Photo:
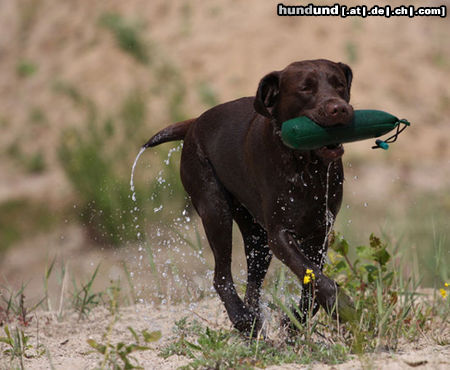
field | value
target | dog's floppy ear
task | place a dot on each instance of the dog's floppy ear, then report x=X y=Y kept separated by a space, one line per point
x=267 y=94
x=348 y=75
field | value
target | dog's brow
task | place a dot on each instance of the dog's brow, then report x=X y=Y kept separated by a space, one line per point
x=333 y=79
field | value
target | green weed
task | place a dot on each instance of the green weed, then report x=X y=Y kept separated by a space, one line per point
x=32 y=163
x=419 y=226
x=95 y=160
x=83 y=298
x=12 y=306
x=351 y=50
x=18 y=346
x=223 y=349
x=35 y=163
x=118 y=356
x=106 y=204
x=390 y=307
x=386 y=299
x=37 y=116
x=26 y=68
x=72 y=92
x=47 y=274
x=127 y=36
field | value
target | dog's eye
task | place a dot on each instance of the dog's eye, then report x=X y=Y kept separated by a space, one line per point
x=306 y=89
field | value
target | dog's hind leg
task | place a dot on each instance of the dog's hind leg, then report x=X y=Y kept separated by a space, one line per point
x=213 y=204
x=258 y=255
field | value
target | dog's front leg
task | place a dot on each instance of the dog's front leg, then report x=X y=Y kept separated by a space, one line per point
x=287 y=250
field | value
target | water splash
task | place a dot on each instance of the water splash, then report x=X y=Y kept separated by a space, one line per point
x=133 y=196
x=329 y=217
x=164 y=249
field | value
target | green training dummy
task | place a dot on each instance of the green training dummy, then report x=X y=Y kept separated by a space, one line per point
x=304 y=134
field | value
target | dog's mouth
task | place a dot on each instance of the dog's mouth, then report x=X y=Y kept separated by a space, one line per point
x=330 y=152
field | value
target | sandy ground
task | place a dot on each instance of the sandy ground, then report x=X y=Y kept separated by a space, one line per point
x=66 y=346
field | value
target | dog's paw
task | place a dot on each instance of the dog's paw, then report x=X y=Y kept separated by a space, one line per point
x=250 y=325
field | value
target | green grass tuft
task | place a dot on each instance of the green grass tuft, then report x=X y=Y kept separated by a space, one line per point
x=26 y=68
x=224 y=349
x=127 y=35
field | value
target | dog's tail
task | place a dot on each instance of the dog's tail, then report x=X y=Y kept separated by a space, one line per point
x=174 y=132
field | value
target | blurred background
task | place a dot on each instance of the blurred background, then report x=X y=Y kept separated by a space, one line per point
x=84 y=84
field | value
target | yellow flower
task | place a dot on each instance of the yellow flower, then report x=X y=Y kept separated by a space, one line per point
x=446 y=284
x=442 y=291
x=309 y=275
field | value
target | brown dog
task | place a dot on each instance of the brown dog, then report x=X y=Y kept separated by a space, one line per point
x=235 y=167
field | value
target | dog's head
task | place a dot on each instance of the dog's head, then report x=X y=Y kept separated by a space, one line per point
x=318 y=89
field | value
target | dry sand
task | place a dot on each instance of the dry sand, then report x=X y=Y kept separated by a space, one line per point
x=65 y=340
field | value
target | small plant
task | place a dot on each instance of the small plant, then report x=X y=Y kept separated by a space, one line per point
x=12 y=306
x=35 y=163
x=106 y=204
x=118 y=356
x=389 y=306
x=83 y=299
x=18 y=346
x=32 y=163
x=37 y=116
x=97 y=162
x=386 y=301
x=127 y=36
x=26 y=68
x=48 y=272
x=223 y=349
x=351 y=50
x=182 y=330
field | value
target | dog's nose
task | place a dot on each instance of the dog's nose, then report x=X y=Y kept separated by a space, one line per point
x=338 y=112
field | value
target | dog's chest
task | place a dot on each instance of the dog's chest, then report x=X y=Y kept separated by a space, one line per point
x=309 y=196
